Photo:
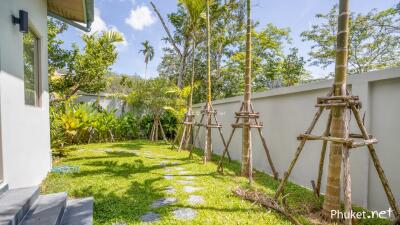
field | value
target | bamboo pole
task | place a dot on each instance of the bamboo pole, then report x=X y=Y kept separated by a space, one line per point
x=378 y=167
x=322 y=157
x=297 y=154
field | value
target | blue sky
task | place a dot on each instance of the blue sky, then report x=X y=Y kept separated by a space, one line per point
x=137 y=22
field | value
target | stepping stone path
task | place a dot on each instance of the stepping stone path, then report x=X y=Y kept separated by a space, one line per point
x=162 y=202
x=170 y=190
x=179 y=213
x=185 y=213
x=190 y=189
x=150 y=217
x=195 y=199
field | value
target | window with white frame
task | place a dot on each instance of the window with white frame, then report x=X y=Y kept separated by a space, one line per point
x=31 y=68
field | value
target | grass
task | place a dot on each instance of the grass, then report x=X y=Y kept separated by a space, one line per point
x=125 y=178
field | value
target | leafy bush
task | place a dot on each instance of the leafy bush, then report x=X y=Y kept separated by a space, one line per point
x=72 y=123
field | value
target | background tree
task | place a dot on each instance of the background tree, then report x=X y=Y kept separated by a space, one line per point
x=86 y=71
x=374 y=40
x=148 y=53
x=154 y=97
x=58 y=57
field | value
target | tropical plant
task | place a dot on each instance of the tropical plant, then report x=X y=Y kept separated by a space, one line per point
x=148 y=53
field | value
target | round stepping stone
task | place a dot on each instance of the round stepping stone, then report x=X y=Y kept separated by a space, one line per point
x=162 y=202
x=189 y=177
x=185 y=182
x=168 y=176
x=170 y=190
x=195 y=199
x=185 y=213
x=150 y=217
x=190 y=189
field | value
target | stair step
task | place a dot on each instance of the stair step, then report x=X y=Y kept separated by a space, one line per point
x=15 y=203
x=79 y=212
x=48 y=210
x=3 y=188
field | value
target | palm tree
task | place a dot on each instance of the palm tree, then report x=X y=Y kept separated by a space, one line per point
x=339 y=120
x=246 y=144
x=194 y=9
x=208 y=146
x=148 y=52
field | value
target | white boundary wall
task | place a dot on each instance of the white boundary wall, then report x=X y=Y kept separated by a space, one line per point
x=287 y=112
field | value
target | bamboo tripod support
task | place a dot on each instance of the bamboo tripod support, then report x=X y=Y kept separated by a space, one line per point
x=156 y=128
x=207 y=113
x=188 y=123
x=352 y=104
x=254 y=123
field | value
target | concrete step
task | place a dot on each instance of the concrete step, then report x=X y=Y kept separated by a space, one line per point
x=47 y=210
x=3 y=188
x=78 y=212
x=15 y=203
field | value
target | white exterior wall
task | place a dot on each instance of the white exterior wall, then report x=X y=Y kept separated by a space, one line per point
x=287 y=112
x=25 y=137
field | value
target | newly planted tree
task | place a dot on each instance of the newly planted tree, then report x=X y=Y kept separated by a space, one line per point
x=246 y=142
x=194 y=9
x=339 y=126
x=148 y=53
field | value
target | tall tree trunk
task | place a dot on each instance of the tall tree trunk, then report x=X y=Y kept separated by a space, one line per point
x=145 y=72
x=170 y=38
x=246 y=142
x=339 y=120
x=190 y=102
x=208 y=128
x=182 y=67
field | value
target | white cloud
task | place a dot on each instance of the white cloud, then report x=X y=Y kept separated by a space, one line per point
x=98 y=24
x=140 y=17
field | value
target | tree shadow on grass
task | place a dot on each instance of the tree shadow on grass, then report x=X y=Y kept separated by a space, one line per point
x=127 y=206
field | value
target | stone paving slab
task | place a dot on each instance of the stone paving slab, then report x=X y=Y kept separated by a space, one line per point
x=162 y=202
x=150 y=217
x=170 y=190
x=191 y=189
x=195 y=199
x=185 y=181
x=168 y=176
x=185 y=213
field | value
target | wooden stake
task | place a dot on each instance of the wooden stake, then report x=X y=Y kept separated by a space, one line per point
x=298 y=151
x=378 y=167
x=322 y=157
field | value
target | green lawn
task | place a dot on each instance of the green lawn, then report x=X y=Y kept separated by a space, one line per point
x=125 y=178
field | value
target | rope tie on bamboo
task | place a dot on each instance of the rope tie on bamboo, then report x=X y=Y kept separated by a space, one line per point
x=345 y=13
x=342 y=49
x=342 y=32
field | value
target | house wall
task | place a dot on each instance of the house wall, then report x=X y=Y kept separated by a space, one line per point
x=287 y=112
x=25 y=138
